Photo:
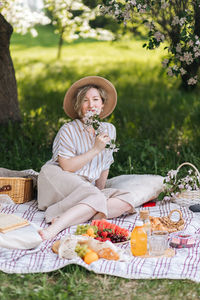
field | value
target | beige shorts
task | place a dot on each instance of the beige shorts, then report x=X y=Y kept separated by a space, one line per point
x=60 y=190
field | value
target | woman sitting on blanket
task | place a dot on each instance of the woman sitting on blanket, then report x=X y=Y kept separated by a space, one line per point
x=71 y=185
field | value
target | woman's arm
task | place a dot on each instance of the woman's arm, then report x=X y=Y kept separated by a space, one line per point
x=101 y=182
x=77 y=162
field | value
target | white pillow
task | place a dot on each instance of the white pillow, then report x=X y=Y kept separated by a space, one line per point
x=142 y=187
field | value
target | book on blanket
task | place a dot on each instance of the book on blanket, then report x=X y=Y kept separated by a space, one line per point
x=10 y=222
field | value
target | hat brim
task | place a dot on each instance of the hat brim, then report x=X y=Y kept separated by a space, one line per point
x=70 y=96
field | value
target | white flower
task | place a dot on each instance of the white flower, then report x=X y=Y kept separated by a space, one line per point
x=175 y=68
x=133 y=2
x=91 y=120
x=188 y=187
x=190 y=43
x=167 y=179
x=178 y=48
x=181 y=186
x=165 y=62
x=192 y=81
x=164 y=4
x=172 y=173
x=170 y=72
x=159 y=36
x=187 y=57
x=166 y=198
x=195 y=187
x=175 y=20
x=182 y=21
x=182 y=71
x=197 y=54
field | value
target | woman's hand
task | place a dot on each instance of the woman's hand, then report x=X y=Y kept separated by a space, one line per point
x=100 y=142
x=75 y=163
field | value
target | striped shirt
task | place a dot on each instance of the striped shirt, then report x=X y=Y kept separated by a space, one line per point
x=74 y=139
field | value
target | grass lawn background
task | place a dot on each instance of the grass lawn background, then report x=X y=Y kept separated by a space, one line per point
x=158 y=127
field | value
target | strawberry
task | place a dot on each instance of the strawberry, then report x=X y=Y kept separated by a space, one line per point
x=104 y=239
x=98 y=238
x=104 y=234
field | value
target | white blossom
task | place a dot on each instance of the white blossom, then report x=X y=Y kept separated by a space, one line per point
x=133 y=2
x=183 y=71
x=190 y=43
x=164 y=4
x=182 y=21
x=170 y=72
x=172 y=173
x=178 y=48
x=165 y=62
x=181 y=186
x=187 y=57
x=197 y=54
x=192 y=80
x=159 y=36
x=175 y=68
x=24 y=15
x=175 y=20
x=167 y=198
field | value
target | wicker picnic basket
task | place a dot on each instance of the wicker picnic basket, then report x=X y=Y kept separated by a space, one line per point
x=19 y=189
x=187 y=198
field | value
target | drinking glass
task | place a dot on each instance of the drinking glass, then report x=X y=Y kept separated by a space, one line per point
x=158 y=243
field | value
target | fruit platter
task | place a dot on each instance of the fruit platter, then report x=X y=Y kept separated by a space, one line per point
x=103 y=231
x=93 y=241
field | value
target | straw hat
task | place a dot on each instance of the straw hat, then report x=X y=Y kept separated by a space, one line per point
x=70 y=95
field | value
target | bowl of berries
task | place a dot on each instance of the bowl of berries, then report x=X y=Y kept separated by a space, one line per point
x=103 y=231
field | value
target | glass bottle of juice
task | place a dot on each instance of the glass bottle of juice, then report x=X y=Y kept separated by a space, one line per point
x=144 y=217
x=138 y=240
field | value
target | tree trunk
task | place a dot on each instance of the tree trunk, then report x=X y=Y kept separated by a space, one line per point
x=9 y=108
x=60 y=44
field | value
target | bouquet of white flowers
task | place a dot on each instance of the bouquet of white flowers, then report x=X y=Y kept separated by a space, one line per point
x=92 y=120
x=183 y=191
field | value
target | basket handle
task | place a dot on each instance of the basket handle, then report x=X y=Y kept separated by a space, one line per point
x=187 y=163
x=5 y=188
x=180 y=215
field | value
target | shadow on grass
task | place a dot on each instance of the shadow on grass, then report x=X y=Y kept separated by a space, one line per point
x=46 y=38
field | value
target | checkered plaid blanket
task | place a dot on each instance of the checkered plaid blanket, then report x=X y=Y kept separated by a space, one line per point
x=184 y=265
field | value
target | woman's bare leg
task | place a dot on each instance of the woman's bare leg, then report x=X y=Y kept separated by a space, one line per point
x=75 y=215
x=116 y=208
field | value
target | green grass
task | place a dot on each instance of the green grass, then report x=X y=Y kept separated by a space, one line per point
x=158 y=127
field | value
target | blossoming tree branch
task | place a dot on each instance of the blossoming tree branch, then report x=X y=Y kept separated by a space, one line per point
x=175 y=22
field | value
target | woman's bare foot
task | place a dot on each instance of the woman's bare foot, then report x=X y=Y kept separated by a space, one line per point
x=49 y=232
x=54 y=220
x=98 y=216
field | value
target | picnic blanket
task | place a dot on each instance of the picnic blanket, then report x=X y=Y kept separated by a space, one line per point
x=184 y=265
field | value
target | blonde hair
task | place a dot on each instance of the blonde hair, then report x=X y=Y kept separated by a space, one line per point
x=81 y=92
